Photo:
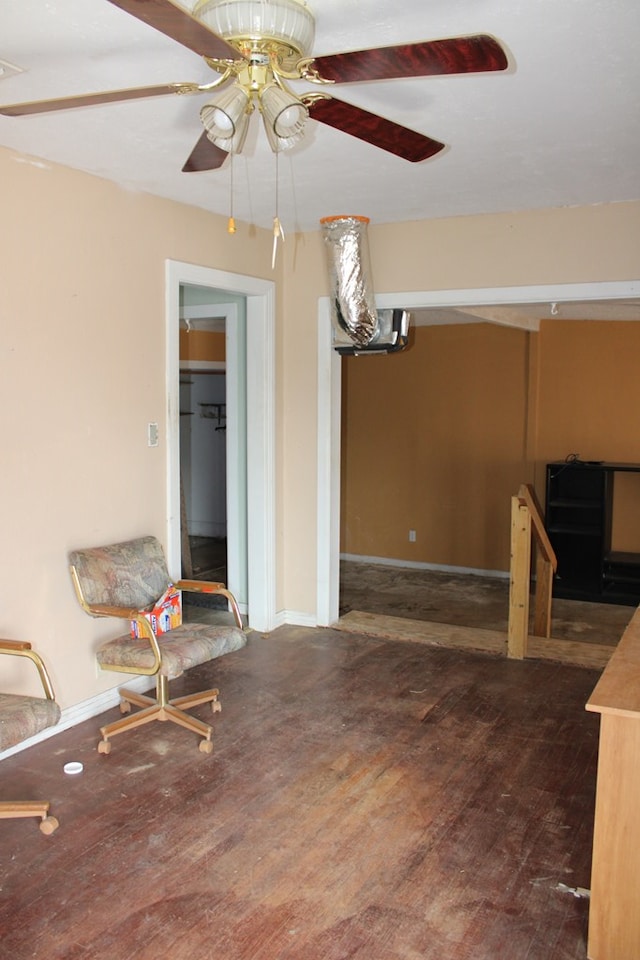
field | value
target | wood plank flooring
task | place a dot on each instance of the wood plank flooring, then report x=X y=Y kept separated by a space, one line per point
x=467 y=600
x=575 y=652
x=366 y=798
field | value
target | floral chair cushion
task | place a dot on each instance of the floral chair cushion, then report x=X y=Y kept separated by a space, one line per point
x=22 y=717
x=134 y=574
x=181 y=648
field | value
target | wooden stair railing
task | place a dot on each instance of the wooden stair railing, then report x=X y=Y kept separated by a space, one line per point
x=527 y=523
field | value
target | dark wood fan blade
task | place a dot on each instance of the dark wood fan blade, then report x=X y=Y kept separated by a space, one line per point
x=89 y=99
x=376 y=130
x=474 y=54
x=176 y=22
x=205 y=156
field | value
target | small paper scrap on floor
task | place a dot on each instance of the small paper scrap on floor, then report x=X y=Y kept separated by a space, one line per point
x=580 y=892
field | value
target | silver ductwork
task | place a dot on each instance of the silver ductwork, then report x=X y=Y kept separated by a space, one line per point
x=357 y=326
x=352 y=303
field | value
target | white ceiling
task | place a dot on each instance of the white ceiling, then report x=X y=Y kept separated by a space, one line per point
x=560 y=127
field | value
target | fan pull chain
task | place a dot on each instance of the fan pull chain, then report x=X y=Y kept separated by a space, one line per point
x=231 y=223
x=278 y=232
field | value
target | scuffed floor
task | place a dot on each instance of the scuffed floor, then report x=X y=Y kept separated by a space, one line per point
x=366 y=800
x=466 y=600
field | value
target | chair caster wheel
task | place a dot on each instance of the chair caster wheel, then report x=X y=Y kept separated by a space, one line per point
x=49 y=824
x=216 y=706
x=125 y=706
x=104 y=746
x=206 y=746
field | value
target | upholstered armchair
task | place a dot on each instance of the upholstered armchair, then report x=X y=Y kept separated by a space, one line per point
x=124 y=581
x=22 y=717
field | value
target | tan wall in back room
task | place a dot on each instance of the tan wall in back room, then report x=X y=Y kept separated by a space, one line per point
x=202 y=345
x=588 y=403
x=433 y=442
x=437 y=439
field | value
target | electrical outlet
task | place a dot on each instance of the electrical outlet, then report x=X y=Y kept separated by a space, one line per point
x=412 y=536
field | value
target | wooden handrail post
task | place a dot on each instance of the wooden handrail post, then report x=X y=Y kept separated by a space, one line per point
x=544 y=586
x=526 y=520
x=520 y=575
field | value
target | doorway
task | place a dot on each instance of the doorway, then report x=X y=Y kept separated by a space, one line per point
x=203 y=476
x=213 y=437
x=259 y=394
x=329 y=402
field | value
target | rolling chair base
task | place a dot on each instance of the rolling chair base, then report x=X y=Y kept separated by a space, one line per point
x=162 y=708
x=29 y=808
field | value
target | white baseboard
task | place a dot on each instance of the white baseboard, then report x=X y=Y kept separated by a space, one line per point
x=295 y=618
x=416 y=565
x=80 y=712
x=299 y=619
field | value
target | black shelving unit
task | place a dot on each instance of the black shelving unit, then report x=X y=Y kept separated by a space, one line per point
x=579 y=509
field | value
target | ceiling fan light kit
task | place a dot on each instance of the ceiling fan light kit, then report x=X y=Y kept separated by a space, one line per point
x=257 y=47
x=271 y=37
x=224 y=116
x=283 y=112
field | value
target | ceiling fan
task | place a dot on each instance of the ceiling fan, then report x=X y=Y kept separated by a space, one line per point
x=257 y=47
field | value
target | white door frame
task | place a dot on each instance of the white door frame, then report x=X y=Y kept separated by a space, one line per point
x=236 y=440
x=329 y=401
x=260 y=372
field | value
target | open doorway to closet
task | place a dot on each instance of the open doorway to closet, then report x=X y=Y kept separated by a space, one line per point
x=212 y=350
x=203 y=466
x=258 y=395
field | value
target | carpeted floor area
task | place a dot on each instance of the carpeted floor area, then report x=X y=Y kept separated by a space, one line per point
x=466 y=600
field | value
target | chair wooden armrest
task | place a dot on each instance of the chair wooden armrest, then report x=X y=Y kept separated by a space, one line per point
x=11 y=646
x=212 y=586
x=200 y=586
x=106 y=610
x=22 y=648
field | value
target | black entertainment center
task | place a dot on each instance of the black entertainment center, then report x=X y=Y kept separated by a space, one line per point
x=578 y=518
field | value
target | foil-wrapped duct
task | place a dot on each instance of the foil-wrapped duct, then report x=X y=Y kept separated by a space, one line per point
x=352 y=301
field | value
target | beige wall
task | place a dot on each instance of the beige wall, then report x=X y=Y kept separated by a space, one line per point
x=83 y=355
x=568 y=245
x=83 y=314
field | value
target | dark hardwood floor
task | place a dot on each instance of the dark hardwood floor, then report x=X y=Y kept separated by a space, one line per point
x=365 y=799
